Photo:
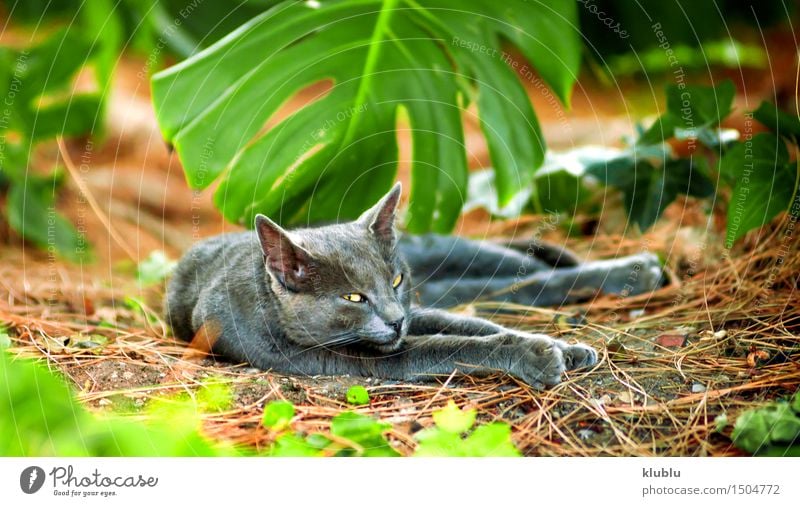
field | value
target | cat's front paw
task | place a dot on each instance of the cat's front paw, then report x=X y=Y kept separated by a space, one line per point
x=537 y=362
x=577 y=356
x=542 y=360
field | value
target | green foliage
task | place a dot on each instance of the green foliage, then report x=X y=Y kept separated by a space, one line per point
x=692 y=112
x=214 y=395
x=155 y=268
x=557 y=187
x=648 y=174
x=42 y=103
x=454 y=420
x=647 y=188
x=366 y=433
x=763 y=178
x=357 y=395
x=39 y=416
x=422 y=60
x=447 y=439
x=783 y=124
x=764 y=182
x=277 y=415
x=352 y=435
x=771 y=430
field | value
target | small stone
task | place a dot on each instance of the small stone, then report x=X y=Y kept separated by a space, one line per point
x=104 y=402
x=585 y=434
x=698 y=387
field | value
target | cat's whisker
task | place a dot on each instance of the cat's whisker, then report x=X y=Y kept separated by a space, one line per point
x=338 y=340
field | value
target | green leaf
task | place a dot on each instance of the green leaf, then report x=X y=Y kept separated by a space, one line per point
x=155 y=268
x=648 y=190
x=482 y=193
x=700 y=106
x=435 y=442
x=692 y=112
x=31 y=212
x=426 y=58
x=781 y=123
x=560 y=191
x=75 y=116
x=292 y=445
x=491 y=440
x=750 y=432
x=784 y=424
x=39 y=416
x=357 y=395
x=796 y=402
x=452 y=419
x=764 y=181
x=277 y=415
x=365 y=432
x=767 y=429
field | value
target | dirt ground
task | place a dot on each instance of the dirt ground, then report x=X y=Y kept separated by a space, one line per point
x=720 y=338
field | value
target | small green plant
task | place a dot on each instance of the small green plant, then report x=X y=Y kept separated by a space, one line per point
x=357 y=395
x=352 y=434
x=39 y=416
x=155 y=268
x=451 y=437
x=278 y=415
x=770 y=430
x=761 y=172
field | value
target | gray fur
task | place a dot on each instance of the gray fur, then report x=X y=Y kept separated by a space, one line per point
x=275 y=298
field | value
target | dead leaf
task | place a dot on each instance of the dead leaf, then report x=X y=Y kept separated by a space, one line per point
x=756 y=357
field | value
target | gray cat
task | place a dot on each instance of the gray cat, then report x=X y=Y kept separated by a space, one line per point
x=337 y=300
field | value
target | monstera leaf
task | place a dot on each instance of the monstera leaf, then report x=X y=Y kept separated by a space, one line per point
x=415 y=62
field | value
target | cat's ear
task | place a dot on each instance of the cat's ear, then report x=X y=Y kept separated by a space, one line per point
x=290 y=263
x=379 y=219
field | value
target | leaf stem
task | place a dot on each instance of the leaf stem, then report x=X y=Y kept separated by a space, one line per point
x=381 y=25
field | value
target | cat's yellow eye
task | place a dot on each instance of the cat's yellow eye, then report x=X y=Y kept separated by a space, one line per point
x=397 y=280
x=354 y=297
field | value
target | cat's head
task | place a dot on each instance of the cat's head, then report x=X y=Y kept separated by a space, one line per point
x=340 y=285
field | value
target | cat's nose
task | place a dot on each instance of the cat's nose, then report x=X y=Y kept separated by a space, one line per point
x=397 y=326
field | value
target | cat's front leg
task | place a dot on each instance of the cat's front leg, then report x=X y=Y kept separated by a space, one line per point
x=537 y=360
